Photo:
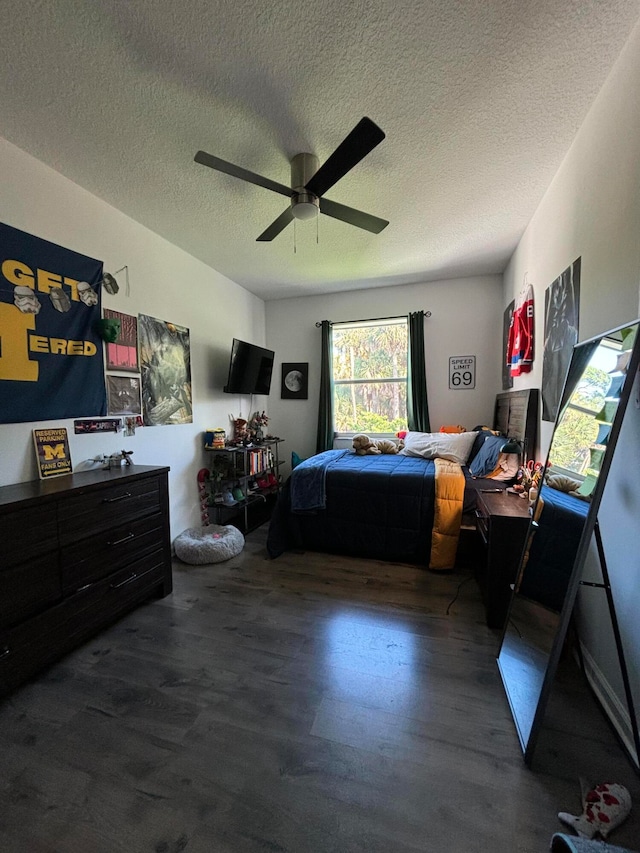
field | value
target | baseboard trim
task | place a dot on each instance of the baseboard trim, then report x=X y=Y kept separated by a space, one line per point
x=614 y=708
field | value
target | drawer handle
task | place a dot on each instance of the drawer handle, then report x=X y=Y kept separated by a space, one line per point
x=124 y=539
x=5 y=652
x=124 y=583
x=114 y=500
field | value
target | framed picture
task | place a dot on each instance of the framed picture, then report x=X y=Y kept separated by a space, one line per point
x=123 y=394
x=122 y=354
x=295 y=380
x=561 y=321
x=507 y=320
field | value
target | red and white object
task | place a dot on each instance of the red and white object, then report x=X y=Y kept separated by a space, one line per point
x=605 y=806
x=520 y=342
x=203 y=476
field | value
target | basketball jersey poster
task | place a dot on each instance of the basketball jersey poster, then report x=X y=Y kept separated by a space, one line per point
x=51 y=358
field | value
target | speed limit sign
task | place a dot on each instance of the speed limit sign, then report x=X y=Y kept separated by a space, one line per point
x=462 y=372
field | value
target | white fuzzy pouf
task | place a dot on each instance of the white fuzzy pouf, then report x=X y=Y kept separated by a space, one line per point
x=212 y=544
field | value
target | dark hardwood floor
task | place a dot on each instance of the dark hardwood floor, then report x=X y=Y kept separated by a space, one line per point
x=311 y=703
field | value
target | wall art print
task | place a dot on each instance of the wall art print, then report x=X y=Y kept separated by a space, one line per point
x=123 y=395
x=295 y=380
x=51 y=356
x=561 y=323
x=123 y=353
x=92 y=425
x=165 y=364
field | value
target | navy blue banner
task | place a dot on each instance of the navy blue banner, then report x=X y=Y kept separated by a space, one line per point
x=51 y=360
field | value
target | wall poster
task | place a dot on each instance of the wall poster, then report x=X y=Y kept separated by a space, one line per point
x=51 y=357
x=88 y=427
x=123 y=353
x=123 y=395
x=561 y=318
x=295 y=380
x=165 y=363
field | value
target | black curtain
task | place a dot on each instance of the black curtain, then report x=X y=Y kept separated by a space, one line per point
x=417 y=405
x=324 y=440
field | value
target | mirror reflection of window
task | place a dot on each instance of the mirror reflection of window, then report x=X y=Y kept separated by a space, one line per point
x=592 y=407
x=581 y=435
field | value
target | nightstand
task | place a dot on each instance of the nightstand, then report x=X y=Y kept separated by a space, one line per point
x=502 y=521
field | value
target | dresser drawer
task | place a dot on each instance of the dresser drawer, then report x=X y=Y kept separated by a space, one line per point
x=101 y=509
x=502 y=521
x=27 y=588
x=39 y=641
x=109 y=551
x=26 y=534
x=125 y=588
x=482 y=526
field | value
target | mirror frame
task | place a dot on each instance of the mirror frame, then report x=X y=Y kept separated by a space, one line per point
x=590 y=529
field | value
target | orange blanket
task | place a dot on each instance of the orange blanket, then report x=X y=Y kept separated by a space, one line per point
x=447 y=515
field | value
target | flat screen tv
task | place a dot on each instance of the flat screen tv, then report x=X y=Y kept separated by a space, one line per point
x=250 y=369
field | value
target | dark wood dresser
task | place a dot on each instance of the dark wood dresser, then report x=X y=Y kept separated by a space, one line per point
x=76 y=552
x=502 y=522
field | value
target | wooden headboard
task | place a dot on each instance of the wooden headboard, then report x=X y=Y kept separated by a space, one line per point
x=516 y=416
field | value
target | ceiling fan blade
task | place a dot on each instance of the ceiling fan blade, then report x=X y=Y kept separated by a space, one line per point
x=276 y=227
x=363 y=138
x=238 y=172
x=353 y=216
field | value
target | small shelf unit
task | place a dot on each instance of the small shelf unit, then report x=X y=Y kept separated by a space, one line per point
x=236 y=467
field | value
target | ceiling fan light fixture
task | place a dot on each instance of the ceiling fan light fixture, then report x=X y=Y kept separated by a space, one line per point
x=305 y=206
x=309 y=182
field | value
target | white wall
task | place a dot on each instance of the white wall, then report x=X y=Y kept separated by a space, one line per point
x=466 y=320
x=166 y=283
x=592 y=210
x=619 y=519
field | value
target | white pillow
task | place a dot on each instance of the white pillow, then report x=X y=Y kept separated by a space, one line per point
x=455 y=446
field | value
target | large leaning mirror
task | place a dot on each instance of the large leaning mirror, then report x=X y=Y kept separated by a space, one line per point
x=564 y=524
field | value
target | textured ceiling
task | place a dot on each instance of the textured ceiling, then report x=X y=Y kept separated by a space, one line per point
x=479 y=99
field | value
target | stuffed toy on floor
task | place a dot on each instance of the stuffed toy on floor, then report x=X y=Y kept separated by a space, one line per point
x=364 y=446
x=604 y=807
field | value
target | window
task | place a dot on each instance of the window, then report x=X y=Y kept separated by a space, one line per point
x=578 y=433
x=369 y=361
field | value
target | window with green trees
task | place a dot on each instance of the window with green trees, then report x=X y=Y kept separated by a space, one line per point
x=370 y=376
x=577 y=432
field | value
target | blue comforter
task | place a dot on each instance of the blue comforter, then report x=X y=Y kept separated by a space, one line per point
x=308 y=485
x=374 y=506
x=553 y=548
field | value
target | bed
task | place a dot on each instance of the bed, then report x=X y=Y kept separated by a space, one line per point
x=380 y=507
x=553 y=548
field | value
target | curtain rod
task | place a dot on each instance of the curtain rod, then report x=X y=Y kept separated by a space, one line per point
x=370 y=319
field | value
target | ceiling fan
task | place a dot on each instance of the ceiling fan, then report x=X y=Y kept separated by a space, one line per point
x=309 y=183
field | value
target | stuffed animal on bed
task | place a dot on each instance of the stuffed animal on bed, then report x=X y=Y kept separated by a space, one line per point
x=364 y=446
